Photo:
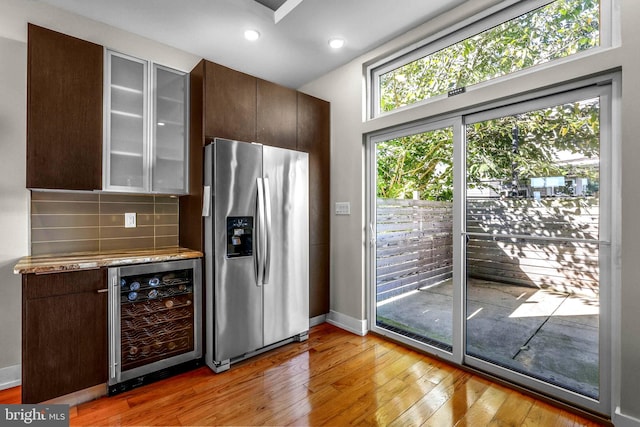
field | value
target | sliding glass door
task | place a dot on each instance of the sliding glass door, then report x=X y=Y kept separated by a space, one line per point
x=414 y=231
x=533 y=219
x=490 y=237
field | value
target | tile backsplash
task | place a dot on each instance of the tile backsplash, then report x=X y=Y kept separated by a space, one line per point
x=65 y=222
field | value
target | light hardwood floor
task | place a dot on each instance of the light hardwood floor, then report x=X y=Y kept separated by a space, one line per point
x=335 y=379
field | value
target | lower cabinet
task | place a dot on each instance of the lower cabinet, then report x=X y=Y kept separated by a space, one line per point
x=64 y=333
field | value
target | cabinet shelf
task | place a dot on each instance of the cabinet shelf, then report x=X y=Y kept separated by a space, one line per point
x=169 y=159
x=170 y=99
x=126 y=114
x=126 y=153
x=127 y=89
x=169 y=122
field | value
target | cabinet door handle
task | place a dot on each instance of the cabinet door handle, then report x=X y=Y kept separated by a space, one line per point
x=103 y=291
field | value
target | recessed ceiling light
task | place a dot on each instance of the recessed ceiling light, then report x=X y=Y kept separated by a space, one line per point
x=336 y=43
x=251 y=35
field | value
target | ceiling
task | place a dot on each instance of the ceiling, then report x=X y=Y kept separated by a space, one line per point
x=292 y=51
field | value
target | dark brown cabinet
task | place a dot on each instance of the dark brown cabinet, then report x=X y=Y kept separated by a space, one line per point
x=229 y=104
x=277 y=115
x=64 y=111
x=64 y=333
x=222 y=104
x=313 y=137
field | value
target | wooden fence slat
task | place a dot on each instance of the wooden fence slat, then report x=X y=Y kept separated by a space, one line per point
x=531 y=259
x=412 y=257
x=415 y=243
x=408 y=269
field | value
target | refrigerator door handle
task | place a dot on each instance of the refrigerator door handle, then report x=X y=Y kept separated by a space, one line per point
x=260 y=230
x=267 y=231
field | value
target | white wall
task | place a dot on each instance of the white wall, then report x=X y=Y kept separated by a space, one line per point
x=345 y=90
x=14 y=198
x=14 y=201
x=16 y=13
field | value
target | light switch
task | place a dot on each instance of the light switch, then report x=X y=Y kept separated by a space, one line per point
x=130 y=220
x=343 y=208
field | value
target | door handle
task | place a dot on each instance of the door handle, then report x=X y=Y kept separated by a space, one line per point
x=259 y=241
x=113 y=321
x=267 y=231
x=372 y=236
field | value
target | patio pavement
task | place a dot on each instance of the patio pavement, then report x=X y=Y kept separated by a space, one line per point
x=547 y=334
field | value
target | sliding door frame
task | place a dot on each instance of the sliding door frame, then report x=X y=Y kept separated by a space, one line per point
x=604 y=241
x=606 y=86
x=370 y=183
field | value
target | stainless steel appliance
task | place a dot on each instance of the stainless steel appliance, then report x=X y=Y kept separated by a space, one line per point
x=154 y=320
x=256 y=209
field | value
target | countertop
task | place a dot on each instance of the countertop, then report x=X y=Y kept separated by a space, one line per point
x=91 y=260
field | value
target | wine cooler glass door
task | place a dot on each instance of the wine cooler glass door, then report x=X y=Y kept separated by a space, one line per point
x=155 y=317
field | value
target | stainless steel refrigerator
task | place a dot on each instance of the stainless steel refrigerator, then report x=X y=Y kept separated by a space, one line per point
x=256 y=209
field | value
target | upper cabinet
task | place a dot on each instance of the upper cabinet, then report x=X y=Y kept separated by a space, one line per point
x=99 y=121
x=229 y=103
x=64 y=111
x=277 y=115
x=170 y=148
x=313 y=129
x=126 y=165
x=146 y=116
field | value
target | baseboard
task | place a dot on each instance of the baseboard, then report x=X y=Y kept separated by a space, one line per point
x=348 y=323
x=622 y=420
x=80 y=396
x=10 y=376
x=318 y=320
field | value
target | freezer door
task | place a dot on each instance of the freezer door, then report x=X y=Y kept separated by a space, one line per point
x=238 y=313
x=286 y=282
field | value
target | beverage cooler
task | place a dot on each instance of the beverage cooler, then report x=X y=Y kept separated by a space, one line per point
x=154 y=321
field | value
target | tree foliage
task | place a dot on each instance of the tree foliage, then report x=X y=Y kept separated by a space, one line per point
x=421 y=162
x=557 y=30
x=424 y=162
x=547 y=139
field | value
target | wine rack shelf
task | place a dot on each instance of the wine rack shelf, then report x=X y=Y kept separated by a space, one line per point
x=157 y=317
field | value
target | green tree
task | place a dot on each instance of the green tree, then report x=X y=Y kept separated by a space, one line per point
x=546 y=138
x=421 y=162
x=554 y=31
x=424 y=162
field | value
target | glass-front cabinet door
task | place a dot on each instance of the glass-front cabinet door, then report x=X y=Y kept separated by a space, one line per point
x=126 y=129
x=169 y=149
x=145 y=147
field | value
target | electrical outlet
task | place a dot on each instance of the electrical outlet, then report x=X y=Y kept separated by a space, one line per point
x=130 y=220
x=343 y=208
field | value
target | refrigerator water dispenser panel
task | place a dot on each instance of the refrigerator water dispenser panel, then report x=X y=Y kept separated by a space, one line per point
x=239 y=236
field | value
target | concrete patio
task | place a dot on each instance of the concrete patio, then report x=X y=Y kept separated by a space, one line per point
x=549 y=335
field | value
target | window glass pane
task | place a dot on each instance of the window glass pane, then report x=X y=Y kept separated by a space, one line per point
x=557 y=30
x=414 y=236
x=532 y=253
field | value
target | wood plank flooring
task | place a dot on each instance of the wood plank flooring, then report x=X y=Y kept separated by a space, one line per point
x=335 y=379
